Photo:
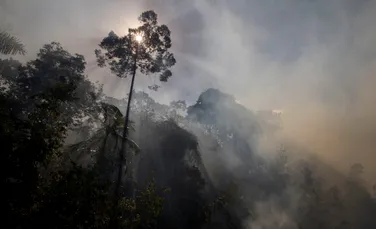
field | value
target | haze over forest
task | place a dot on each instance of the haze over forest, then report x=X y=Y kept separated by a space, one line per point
x=256 y=84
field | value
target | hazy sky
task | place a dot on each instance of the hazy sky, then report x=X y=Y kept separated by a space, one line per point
x=313 y=58
x=255 y=49
x=258 y=50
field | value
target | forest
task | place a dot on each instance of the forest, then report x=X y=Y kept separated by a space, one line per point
x=75 y=157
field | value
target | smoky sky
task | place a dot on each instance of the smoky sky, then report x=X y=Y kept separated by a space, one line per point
x=251 y=49
x=314 y=59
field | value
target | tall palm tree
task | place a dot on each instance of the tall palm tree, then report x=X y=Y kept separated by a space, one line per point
x=10 y=44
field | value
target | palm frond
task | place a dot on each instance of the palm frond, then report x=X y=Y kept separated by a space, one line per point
x=10 y=44
x=83 y=146
x=111 y=110
x=120 y=122
x=131 y=143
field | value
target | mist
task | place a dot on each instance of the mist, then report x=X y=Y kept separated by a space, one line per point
x=313 y=59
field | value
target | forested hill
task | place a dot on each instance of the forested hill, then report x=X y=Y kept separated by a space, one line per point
x=215 y=108
x=194 y=167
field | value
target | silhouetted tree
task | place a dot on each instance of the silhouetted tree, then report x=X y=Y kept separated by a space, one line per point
x=150 y=54
x=126 y=54
x=10 y=44
x=42 y=101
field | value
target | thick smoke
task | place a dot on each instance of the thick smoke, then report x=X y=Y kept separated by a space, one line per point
x=314 y=60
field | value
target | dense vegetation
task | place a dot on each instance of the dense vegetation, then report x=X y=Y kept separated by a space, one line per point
x=187 y=167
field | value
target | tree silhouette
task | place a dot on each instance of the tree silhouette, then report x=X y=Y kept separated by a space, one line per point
x=10 y=44
x=44 y=98
x=151 y=56
x=145 y=47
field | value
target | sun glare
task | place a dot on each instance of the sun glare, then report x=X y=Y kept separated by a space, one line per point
x=138 y=38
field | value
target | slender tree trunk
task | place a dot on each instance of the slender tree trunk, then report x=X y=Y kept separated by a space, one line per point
x=102 y=152
x=122 y=160
x=101 y=158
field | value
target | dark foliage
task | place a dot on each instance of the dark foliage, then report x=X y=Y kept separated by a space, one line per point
x=75 y=198
x=42 y=101
x=10 y=44
x=152 y=52
x=168 y=184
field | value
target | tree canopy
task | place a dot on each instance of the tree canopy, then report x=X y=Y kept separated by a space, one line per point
x=191 y=166
x=153 y=57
